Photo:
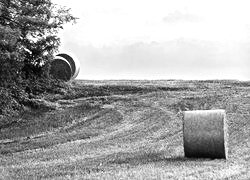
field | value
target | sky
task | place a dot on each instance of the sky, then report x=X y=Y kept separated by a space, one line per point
x=159 y=39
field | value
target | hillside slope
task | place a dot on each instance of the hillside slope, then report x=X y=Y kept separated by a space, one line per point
x=126 y=134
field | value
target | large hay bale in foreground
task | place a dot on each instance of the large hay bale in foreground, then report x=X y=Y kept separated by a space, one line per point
x=205 y=134
x=61 y=69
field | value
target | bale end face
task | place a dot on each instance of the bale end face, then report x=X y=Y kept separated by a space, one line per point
x=65 y=67
x=73 y=61
x=61 y=69
x=205 y=134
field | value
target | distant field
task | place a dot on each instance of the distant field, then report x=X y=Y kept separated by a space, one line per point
x=124 y=130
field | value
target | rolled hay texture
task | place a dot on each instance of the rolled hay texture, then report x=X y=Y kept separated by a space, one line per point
x=74 y=63
x=205 y=134
x=61 y=69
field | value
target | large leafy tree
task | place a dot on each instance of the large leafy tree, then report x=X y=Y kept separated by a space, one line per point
x=28 y=37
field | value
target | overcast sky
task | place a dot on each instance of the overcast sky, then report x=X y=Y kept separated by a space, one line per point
x=159 y=39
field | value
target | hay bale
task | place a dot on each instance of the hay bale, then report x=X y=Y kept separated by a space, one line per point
x=205 y=134
x=73 y=61
x=61 y=69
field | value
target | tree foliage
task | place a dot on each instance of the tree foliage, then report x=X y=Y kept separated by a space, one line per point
x=28 y=39
x=29 y=32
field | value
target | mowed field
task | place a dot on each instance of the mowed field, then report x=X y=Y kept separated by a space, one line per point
x=124 y=130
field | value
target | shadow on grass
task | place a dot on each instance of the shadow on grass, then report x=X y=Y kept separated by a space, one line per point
x=145 y=158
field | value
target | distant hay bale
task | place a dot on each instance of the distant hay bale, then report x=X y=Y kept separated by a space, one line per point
x=61 y=69
x=73 y=61
x=65 y=67
x=205 y=134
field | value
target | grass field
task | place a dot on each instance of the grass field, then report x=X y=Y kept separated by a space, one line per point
x=124 y=130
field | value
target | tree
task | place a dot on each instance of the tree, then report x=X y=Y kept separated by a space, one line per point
x=28 y=40
x=28 y=37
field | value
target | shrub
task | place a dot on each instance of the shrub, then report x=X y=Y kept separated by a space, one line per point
x=9 y=106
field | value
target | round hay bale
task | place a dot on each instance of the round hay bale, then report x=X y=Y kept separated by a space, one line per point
x=73 y=61
x=61 y=69
x=205 y=134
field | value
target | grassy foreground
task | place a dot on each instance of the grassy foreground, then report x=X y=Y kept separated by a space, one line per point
x=124 y=130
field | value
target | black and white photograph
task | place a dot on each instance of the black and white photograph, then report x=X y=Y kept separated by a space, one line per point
x=124 y=89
